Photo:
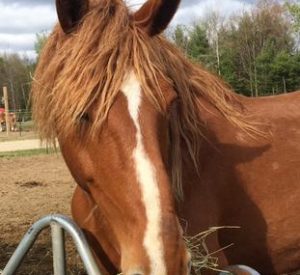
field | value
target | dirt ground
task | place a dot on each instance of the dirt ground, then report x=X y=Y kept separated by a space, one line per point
x=30 y=188
x=18 y=135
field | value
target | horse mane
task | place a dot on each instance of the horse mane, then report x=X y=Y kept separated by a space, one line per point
x=78 y=69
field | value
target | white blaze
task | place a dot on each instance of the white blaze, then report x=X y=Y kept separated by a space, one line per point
x=146 y=176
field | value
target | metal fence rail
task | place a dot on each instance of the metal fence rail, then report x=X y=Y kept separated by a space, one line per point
x=58 y=224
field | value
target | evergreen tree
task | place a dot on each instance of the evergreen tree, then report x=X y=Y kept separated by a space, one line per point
x=255 y=52
x=180 y=37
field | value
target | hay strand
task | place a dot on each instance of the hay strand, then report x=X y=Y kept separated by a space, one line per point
x=202 y=258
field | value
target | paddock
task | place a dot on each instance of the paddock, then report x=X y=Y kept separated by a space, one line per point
x=30 y=188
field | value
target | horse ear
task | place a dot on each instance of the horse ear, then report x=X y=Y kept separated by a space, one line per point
x=155 y=15
x=70 y=12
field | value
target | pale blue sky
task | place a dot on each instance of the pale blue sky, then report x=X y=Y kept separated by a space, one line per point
x=22 y=19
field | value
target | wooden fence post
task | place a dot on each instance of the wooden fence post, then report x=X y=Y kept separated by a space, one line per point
x=5 y=95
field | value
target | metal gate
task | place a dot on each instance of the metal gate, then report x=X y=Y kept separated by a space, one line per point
x=58 y=224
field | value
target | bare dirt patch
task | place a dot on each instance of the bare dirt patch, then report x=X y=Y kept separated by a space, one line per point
x=30 y=188
x=23 y=135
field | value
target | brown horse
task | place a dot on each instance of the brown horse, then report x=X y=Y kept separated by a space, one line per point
x=160 y=148
x=12 y=121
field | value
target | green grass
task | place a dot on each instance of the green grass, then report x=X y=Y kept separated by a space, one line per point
x=28 y=153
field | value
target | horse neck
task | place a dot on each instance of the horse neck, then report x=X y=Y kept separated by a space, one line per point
x=216 y=129
x=198 y=181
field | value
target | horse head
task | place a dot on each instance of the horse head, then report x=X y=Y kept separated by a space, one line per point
x=111 y=108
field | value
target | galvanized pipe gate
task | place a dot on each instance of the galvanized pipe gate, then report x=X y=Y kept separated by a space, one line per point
x=58 y=224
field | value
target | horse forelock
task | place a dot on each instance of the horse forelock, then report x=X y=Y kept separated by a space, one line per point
x=89 y=66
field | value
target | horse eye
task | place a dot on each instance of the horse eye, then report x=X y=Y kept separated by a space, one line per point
x=85 y=118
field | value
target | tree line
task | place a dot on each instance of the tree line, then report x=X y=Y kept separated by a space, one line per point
x=16 y=74
x=256 y=52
